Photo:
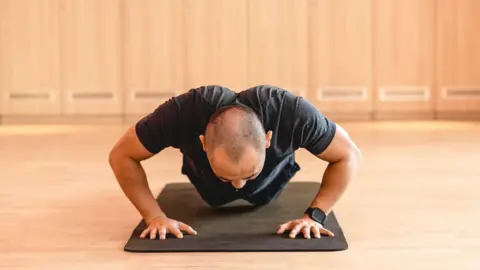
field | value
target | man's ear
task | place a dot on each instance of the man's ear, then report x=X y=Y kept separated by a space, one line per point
x=269 y=138
x=204 y=146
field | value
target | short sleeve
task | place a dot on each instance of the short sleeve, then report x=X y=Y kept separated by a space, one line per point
x=312 y=130
x=164 y=126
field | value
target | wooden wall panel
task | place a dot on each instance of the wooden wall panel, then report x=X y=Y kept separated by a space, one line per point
x=29 y=58
x=354 y=58
x=404 y=51
x=215 y=43
x=91 y=57
x=277 y=44
x=340 y=54
x=153 y=53
x=458 y=56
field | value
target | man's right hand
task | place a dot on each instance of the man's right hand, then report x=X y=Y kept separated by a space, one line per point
x=162 y=225
x=125 y=160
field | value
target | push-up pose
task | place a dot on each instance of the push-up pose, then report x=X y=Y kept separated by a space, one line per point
x=236 y=146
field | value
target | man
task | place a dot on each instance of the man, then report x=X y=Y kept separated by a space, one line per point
x=236 y=146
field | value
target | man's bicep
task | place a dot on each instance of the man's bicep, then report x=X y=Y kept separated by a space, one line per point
x=129 y=145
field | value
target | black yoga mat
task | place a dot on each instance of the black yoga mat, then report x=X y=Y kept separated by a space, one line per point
x=237 y=226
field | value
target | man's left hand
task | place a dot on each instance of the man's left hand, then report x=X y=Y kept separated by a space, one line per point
x=304 y=225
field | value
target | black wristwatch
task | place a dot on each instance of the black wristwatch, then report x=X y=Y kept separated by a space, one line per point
x=316 y=214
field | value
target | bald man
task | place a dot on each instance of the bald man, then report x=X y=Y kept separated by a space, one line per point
x=236 y=146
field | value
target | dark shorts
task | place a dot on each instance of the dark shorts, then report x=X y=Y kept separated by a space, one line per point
x=217 y=193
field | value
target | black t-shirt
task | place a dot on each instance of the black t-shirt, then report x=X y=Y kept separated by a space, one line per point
x=180 y=121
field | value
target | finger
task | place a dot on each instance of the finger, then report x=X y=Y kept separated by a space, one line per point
x=282 y=228
x=188 y=229
x=175 y=231
x=162 y=233
x=295 y=230
x=144 y=233
x=153 y=233
x=316 y=232
x=326 y=232
x=306 y=232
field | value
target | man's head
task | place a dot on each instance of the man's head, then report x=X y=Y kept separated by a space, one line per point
x=235 y=142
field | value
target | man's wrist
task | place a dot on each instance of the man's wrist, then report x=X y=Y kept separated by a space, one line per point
x=307 y=216
x=316 y=214
x=152 y=217
x=322 y=205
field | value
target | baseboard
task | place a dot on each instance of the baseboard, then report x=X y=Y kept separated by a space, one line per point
x=458 y=116
x=61 y=120
x=335 y=116
x=132 y=119
x=129 y=120
x=402 y=115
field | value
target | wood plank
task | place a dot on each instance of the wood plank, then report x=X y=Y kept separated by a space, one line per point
x=278 y=44
x=404 y=51
x=458 y=56
x=91 y=57
x=29 y=58
x=340 y=68
x=215 y=43
x=154 y=50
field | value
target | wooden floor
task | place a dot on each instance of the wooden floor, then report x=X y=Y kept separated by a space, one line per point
x=415 y=204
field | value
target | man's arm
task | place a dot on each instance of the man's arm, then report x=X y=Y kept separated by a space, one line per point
x=343 y=157
x=124 y=159
x=329 y=142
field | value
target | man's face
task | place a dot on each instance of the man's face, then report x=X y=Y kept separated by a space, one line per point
x=237 y=173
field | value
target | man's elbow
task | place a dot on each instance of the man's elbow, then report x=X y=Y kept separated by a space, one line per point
x=113 y=157
x=354 y=155
x=122 y=153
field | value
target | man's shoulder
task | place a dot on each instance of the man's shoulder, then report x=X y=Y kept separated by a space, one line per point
x=271 y=98
x=268 y=92
x=217 y=94
x=213 y=94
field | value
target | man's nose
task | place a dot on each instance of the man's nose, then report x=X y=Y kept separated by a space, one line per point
x=239 y=184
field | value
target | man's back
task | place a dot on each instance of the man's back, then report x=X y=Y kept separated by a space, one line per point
x=293 y=121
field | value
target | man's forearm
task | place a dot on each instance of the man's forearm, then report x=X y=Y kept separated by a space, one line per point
x=133 y=181
x=336 y=178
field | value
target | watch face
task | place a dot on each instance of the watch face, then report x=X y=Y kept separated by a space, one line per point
x=318 y=215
